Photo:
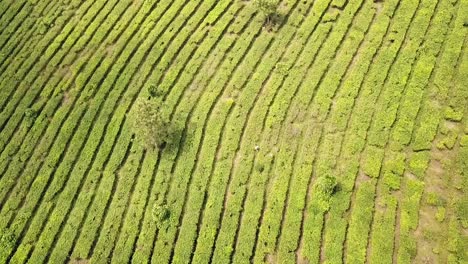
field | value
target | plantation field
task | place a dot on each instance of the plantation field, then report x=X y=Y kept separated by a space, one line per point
x=336 y=133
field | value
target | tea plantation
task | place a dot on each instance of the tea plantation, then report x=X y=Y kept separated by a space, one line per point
x=326 y=131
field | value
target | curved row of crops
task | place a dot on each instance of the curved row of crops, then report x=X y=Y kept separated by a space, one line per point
x=369 y=95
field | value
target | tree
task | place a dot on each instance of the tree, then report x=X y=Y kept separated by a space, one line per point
x=268 y=8
x=151 y=127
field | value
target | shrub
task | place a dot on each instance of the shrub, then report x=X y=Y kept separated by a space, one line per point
x=464 y=141
x=282 y=68
x=462 y=211
x=448 y=141
x=392 y=180
x=440 y=215
x=418 y=163
x=325 y=186
x=161 y=214
x=154 y=91
x=323 y=189
x=373 y=161
x=434 y=199
x=453 y=115
x=29 y=116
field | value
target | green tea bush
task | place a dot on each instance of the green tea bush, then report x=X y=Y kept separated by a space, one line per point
x=373 y=161
x=418 y=163
x=440 y=214
x=453 y=114
x=7 y=243
x=448 y=141
x=434 y=199
x=462 y=211
x=392 y=180
x=323 y=189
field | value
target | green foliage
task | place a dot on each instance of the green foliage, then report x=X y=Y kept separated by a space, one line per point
x=339 y=4
x=267 y=8
x=152 y=128
x=462 y=210
x=383 y=225
x=409 y=220
x=448 y=141
x=457 y=243
x=325 y=186
x=7 y=243
x=260 y=167
x=418 y=163
x=427 y=130
x=361 y=218
x=161 y=214
x=30 y=116
x=434 y=199
x=154 y=91
x=393 y=169
x=453 y=114
x=323 y=189
x=282 y=68
x=373 y=161
x=440 y=214
x=80 y=186
x=392 y=180
x=331 y=15
x=464 y=141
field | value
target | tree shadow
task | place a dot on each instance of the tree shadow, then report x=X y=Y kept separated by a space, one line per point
x=275 y=21
x=178 y=137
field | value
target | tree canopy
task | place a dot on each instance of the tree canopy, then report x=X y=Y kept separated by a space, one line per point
x=151 y=127
x=267 y=7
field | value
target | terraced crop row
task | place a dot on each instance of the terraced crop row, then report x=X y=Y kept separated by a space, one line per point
x=369 y=95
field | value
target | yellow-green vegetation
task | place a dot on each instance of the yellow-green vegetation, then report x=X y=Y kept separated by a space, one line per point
x=233 y=131
x=151 y=128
